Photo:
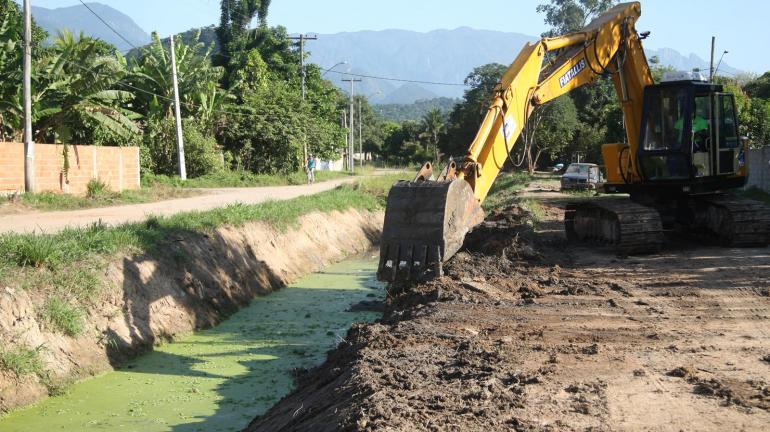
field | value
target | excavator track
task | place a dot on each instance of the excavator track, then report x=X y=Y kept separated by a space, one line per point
x=732 y=220
x=629 y=227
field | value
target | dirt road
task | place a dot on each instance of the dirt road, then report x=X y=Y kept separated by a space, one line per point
x=527 y=332
x=50 y=222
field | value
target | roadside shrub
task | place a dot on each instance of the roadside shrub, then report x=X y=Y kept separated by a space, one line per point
x=63 y=316
x=96 y=188
x=21 y=361
x=159 y=154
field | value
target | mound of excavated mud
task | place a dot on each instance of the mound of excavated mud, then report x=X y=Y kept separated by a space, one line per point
x=527 y=333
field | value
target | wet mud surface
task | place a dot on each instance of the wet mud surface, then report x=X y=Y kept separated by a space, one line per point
x=527 y=332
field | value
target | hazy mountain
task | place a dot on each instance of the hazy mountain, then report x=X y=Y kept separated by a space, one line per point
x=673 y=58
x=414 y=111
x=78 y=18
x=439 y=56
x=445 y=56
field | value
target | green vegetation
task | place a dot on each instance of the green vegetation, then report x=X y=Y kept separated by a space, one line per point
x=399 y=113
x=63 y=316
x=534 y=207
x=48 y=201
x=66 y=265
x=504 y=192
x=163 y=187
x=21 y=361
x=241 y=107
x=246 y=179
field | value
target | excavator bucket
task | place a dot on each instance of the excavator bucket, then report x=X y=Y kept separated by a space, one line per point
x=425 y=224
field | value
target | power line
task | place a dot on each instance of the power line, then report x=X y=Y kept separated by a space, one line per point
x=304 y=37
x=394 y=79
x=107 y=24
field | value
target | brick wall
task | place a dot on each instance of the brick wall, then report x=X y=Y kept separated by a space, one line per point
x=759 y=168
x=118 y=167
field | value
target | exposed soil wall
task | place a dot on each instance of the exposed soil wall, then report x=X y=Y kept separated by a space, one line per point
x=195 y=282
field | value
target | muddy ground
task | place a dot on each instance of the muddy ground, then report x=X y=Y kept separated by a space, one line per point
x=527 y=332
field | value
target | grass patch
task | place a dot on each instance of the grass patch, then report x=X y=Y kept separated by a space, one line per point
x=66 y=266
x=63 y=316
x=99 y=195
x=22 y=361
x=504 y=192
x=534 y=207
x=69 y=260
x=159 y=187
x=224 y=179
x=756 y=193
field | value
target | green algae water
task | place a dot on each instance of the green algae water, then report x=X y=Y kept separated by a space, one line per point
x=217 y=379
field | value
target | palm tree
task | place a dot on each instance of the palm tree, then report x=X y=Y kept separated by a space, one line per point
x=433 y=125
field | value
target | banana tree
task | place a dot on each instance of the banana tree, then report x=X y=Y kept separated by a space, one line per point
x=151 y=75
x=79 y=94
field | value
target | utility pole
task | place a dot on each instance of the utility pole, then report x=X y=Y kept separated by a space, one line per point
x=711 y=70
x=29 y=145
x=360 y=132
x=352 y=129
x=303 y=74
x=178 y=115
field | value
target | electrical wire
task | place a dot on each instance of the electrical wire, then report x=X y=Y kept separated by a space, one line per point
x=327 y=70
x=107 y=24
x=394 y=79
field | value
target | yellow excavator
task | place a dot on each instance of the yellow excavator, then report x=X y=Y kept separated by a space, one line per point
x=682 y=151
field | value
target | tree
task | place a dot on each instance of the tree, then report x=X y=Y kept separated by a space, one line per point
x=465 y=118
x=599 y=113
x=759 y=87
x=73 y=103
x=151 y=74
x=233 y=30
x=433 y=126
x=11 y=37
x=550 y=130
x=567 y=16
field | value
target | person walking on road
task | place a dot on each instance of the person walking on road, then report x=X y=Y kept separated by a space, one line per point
x=310 y=169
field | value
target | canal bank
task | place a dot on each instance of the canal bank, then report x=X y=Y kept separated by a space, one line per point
x=217 y=379
x=194 y=281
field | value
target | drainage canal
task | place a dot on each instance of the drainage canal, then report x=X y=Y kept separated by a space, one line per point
x=221 y=378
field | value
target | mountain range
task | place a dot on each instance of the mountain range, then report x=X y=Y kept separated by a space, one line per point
x=79 y=19
x=441 y=57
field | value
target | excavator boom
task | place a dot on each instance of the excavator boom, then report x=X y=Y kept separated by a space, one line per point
x=426 y=220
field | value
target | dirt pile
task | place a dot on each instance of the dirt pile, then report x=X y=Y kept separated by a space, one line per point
x=525 y=334
x=194 y=283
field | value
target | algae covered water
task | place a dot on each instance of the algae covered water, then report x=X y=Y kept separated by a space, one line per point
x=221 y=378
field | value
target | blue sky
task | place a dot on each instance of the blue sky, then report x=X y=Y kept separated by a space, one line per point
x=685 y=25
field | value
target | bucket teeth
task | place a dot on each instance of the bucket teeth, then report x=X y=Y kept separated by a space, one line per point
x=425 y=224
x=410 y=262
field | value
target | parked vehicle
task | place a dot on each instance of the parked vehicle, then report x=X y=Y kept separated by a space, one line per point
x=581 y=176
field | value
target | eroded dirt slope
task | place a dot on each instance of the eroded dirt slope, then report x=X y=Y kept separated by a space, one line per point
x=527 y=333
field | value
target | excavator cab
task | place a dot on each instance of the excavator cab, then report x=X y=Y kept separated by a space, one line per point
x=689 y=140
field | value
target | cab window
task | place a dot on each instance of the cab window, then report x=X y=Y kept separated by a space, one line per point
x=666 y=120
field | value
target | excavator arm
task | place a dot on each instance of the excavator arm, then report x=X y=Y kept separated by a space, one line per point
x=426 y=221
